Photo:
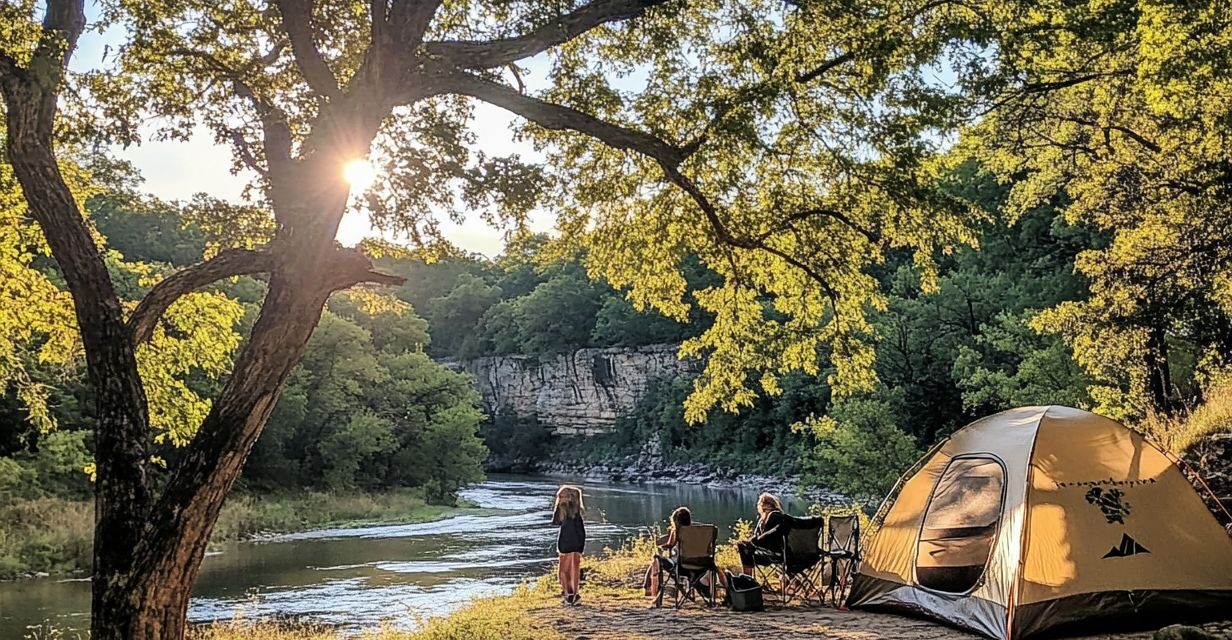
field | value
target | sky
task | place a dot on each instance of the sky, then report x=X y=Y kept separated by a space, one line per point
x=175 y=170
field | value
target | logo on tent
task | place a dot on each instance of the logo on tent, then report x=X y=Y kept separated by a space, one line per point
x=1109 y=502
x=1128 y=547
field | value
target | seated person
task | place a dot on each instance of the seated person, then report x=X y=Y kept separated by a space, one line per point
x=681 y=517
x=665 y=559
x=768 y=533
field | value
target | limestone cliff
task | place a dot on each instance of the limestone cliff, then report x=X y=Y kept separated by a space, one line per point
x=583 y=392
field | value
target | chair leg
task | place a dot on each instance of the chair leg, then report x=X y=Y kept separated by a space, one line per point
x=844 y=584
x=662 y=585
x=841 y=571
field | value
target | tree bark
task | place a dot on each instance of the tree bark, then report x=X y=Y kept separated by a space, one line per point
x=122 y=428
x=1159 y=379
x=169 y=555
x=304 y=272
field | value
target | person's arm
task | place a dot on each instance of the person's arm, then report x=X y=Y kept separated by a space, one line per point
x=770 y=529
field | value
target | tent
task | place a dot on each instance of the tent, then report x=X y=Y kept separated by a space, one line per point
x=1046 y=520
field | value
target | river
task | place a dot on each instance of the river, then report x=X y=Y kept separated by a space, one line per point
x=397 y=573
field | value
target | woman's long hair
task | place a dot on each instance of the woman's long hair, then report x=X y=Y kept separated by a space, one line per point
x=681 y=517
x=768 y=502
x=568 y=503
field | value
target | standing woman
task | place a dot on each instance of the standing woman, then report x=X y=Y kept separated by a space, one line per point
x=571 y=541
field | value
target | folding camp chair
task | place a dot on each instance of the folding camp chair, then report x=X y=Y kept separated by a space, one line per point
x=797 y=568
x=694 y=562
x=843 y=552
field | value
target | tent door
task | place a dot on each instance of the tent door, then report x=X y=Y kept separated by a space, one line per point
x=960 y=524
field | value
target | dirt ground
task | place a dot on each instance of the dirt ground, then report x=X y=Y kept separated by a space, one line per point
x=616 y=616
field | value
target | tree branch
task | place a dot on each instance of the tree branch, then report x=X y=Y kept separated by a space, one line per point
x=825 y=67
x=297 y=22
x=232 y=262
x=409 y=20
x=668 y=156
x=350 y=267
x=244 y=151
x=559 y=118
x=275 y=130
x=788 y=221
x=479 y=54
x=1045 y=87
x=62 y=26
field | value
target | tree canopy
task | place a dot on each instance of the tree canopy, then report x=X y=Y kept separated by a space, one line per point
x=785 y=157
x=799 y=151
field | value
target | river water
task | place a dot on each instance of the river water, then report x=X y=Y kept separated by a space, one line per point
x=399 y=573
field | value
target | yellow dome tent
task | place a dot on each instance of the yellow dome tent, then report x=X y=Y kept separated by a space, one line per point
x=1046 y=519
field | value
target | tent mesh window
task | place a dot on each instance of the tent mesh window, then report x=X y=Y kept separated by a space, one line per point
x=960 y=525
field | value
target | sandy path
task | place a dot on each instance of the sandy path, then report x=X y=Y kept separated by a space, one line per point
x=629 y=617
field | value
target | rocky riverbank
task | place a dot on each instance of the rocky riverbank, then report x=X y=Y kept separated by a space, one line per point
x=651 y=466
x=687 y=473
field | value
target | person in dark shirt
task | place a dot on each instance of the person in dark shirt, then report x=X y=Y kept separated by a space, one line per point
x=766 y=541
x=571 y=541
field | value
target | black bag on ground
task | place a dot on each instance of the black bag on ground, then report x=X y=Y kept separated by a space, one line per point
x=743 y=593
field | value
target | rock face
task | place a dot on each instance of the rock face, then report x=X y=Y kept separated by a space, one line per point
x=581 y=393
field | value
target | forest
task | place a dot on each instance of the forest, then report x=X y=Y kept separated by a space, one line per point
x=869 y=222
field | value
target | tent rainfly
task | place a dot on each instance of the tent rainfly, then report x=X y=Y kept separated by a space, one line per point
x=1046 y=520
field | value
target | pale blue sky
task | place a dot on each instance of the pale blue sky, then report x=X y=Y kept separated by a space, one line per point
x=175 y=170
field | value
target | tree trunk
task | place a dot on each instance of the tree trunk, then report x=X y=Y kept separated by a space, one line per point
x=122 y=428
x=168 y=558
x=1159 y=379
x=147 y=556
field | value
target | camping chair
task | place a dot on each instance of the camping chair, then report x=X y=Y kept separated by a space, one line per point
x=843 y=551
x=798 y=567
x=694 y=562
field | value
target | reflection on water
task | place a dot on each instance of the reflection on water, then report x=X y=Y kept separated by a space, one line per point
x=396 y=573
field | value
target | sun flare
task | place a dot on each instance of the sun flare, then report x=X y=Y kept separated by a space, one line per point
x=359 y=173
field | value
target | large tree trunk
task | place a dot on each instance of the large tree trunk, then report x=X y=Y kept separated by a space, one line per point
x=122 y=427
x=170 y=554
x=147 y=556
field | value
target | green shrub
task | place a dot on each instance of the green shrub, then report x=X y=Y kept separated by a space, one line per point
x=859 y=448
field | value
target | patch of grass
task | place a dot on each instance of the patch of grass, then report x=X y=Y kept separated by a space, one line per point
x=499 y=618
x=1181 y=432
x=240 y=629
x=45 y=535
x=248 y=515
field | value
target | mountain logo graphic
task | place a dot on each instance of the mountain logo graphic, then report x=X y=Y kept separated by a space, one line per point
x=1128 y=547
